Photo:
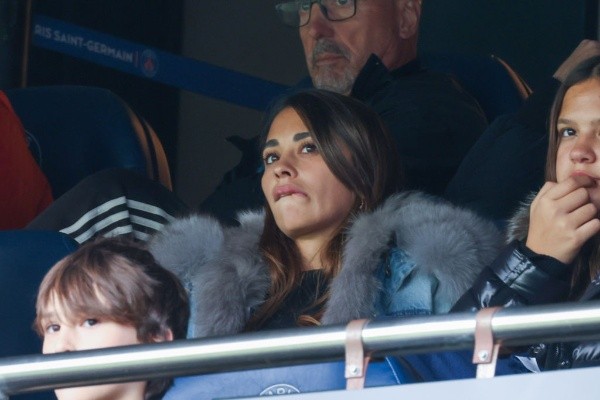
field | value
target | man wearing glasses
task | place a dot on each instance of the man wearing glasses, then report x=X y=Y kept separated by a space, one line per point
x=368 y=49
x=339 y=36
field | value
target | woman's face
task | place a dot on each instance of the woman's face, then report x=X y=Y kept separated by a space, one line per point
x=62 y=333
x=578 y=129
x=306 y=199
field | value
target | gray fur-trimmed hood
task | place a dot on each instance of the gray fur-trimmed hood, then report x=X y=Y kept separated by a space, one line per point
x=227 y=278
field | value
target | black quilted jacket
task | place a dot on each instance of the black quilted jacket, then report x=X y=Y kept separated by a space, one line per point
x=521 y=277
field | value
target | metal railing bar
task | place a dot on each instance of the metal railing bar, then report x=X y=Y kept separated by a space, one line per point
x=513 y=326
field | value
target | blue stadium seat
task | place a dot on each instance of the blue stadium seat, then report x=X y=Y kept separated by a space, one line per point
x=75 y=131
x=497 y=87
x=25 y=257
x=286 y=380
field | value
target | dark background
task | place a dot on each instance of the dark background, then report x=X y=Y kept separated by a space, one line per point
x=531 y=35
x=153 y=23
x=534 y=36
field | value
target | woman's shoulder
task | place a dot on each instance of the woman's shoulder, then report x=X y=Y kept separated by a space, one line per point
x=416 y=221
x=219 y=265
x=434 y=237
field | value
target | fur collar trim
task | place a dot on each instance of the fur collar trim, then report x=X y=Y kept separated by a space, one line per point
x=518 y=224
x=451 y=243
x=227 y=278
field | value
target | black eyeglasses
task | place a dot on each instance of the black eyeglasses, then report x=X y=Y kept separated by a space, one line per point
x=296 y=13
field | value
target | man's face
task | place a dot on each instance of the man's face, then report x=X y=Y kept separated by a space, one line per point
x=336 y=51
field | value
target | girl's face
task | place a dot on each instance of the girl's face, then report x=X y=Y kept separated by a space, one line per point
x=62 y=333
x=306 y=199
x=578 y=128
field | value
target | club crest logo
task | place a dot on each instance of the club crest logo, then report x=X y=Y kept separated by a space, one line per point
x=149 y=63
x=279 y=389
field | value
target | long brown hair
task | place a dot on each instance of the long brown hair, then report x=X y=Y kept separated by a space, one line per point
x=118 y=280
x=587 y=262
x=339 y=125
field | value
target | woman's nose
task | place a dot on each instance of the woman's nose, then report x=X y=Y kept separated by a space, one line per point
x=285 y=168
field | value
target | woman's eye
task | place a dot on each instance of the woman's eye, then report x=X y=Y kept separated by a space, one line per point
x=270 y=158
x=309 y=148
x=52 y=328
x=90 y=322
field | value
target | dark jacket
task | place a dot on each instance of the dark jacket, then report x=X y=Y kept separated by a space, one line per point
x=508 y=160
x=521 y=277
x=432 y=119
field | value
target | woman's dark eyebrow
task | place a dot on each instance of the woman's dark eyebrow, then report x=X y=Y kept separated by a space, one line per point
x=271 y=143
x=297 y=137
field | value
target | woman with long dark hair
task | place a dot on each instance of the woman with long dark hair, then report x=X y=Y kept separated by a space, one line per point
x=336 y=240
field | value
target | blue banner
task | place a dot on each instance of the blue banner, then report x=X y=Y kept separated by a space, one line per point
x=181 y=72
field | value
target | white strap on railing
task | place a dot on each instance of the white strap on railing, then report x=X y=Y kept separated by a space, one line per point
x=485 y=353
x=356 y=360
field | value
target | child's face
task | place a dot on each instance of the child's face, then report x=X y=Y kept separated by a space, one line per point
x=62 y=334
x=579 y=131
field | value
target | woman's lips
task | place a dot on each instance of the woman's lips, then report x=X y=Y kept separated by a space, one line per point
x=286 y=190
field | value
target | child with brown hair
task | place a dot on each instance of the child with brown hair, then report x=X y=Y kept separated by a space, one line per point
x=110 y=292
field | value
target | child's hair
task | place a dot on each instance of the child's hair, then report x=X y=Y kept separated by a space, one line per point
x=118 y=280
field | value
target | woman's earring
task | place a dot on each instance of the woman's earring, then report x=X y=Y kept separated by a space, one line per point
x=361 y=207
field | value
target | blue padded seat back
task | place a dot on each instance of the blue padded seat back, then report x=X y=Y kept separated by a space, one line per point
x=283 y=380
x=492 y=82
x=76 y=131
x=25 y=257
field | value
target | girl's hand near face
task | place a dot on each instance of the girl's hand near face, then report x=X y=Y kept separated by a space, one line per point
x=562 y=219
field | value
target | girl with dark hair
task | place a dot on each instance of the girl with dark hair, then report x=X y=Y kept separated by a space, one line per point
x=335 y=242
x=554 y=250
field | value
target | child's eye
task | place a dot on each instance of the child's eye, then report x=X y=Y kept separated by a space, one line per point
x=270 y=158
x=566 y=132
x=90 y=322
